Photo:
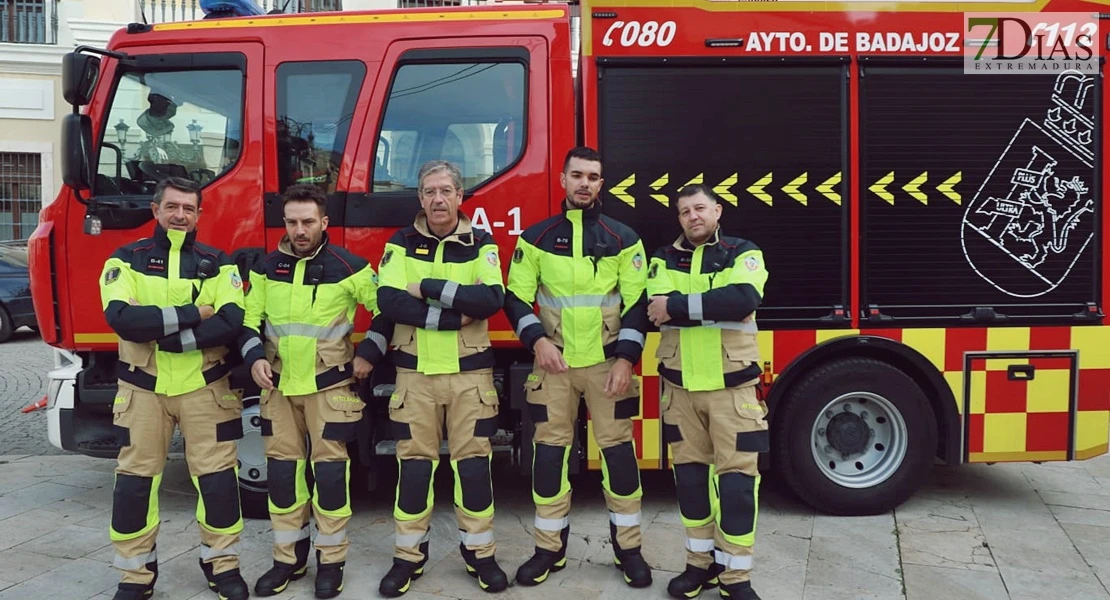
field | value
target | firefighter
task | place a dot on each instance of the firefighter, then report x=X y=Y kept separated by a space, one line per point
x=440 y=282
x=176 y=305
x=704 y=290
x=300 y=312
x=587 y=272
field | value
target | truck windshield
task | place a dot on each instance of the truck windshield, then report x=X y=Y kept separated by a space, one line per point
x=170 y=124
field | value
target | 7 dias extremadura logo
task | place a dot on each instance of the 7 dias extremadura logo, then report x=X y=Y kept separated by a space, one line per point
x=1023 y=43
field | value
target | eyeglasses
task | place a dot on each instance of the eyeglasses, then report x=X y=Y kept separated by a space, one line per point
x=430 y=193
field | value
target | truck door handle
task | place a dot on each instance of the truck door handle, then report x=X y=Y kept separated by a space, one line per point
x=1020 y=372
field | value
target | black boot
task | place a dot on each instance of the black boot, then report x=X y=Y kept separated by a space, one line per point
x=693 y=580
x=329 y=579
x=278 y=577
x=230 y=586
x=739 y=591
x=401 y=575
x=543 y=563
x=489 y=575
x=637 y=573
x=134 y=591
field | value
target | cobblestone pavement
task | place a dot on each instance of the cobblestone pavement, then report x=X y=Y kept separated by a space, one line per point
x=24 y=362
x=976 y=532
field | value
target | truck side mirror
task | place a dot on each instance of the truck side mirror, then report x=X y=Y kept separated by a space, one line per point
x=79 y=75
x=77 y=151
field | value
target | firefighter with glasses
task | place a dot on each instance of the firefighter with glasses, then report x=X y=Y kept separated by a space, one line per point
x=300 y=311
x=176 y=304
x=587 y=272
x=704 y=290
x=440 y=282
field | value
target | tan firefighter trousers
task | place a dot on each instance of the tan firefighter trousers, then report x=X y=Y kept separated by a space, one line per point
x=422 y=404
x=325 y=420
x=716 y=438
x=553 y=401
x=210 y=422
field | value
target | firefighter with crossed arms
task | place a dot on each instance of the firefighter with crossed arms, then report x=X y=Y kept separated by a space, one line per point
x=300 y=311
x=704 y=290
x=587 y=272
x=176 y=304
x=440 y=282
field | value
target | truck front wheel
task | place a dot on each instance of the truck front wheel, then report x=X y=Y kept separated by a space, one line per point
x=856 y=437
x=253 y=488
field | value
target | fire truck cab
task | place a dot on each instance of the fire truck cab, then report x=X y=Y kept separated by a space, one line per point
x=935 y=240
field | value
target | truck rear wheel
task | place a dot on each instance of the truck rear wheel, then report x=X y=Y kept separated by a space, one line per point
x=857 y=437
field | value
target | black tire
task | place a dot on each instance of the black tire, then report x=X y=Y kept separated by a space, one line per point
x=6 y=328
x=794 y=442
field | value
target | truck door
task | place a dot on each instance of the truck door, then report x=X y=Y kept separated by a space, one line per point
x=473 y=102
x=173 y=111
x=314 y=106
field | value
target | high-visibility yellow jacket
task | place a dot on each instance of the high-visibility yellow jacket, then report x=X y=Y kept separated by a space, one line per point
x=150 y=291
x=587 y=271
x=458 y=275
x=710 y=341
x=300 y=314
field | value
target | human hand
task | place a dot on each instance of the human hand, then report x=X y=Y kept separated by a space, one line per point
x=414 y=291
x=206 y=311
x=657 y=310
x=262 y=374
x=362 y=368
x=467 y=320
x=616 y=384
x=548 y=357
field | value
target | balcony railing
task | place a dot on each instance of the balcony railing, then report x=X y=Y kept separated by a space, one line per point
x=29 y=21
x=166 y=11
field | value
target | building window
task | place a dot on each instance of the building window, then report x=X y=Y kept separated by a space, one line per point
x=20 y=194
x=29 y=21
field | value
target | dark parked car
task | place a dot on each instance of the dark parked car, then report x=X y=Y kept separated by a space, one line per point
x=15 y=289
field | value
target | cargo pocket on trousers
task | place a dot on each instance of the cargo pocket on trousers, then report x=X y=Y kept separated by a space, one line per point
x=752 y=433
x=121 y=420
x=231 y=427
x=629 y=406
x=135 y=354
x=534 y=396
x=343 y=413
x=490 y=406
x=397 y=419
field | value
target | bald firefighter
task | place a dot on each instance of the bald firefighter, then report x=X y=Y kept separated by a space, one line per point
x=176 y=305
x=440 y=281
x=704 y=290
x=587 y=273
x=300 y=311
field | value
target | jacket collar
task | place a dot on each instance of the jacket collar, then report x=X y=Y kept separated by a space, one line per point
x=286 y=247
x=463 y=234
x=173 y=239
x=684 y=244
x=593 y=213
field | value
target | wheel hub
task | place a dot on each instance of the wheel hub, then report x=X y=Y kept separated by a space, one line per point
x=848 y=433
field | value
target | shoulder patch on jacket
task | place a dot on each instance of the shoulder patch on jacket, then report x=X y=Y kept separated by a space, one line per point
x=518 y=255
x=111 y=276
x=236 y=280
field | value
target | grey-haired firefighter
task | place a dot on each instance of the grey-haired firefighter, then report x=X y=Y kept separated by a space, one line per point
x=587 y=272
x=175 y=304
x=704 y=292
x=300 y=311
x=440 y=281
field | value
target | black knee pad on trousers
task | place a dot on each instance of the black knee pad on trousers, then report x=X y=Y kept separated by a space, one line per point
x=412 y=485
x=282 y=476
x=130 y=504
x=331 y=483
x=547 y=470
x=737 y=503
x=220 y=493
x=692 y=483
x=474 y=479
x=621 y=469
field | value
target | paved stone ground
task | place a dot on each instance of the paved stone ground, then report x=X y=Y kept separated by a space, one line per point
x=24 y=362
x=978 y=532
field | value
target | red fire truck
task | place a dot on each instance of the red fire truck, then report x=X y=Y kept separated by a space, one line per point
x=936 y=240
